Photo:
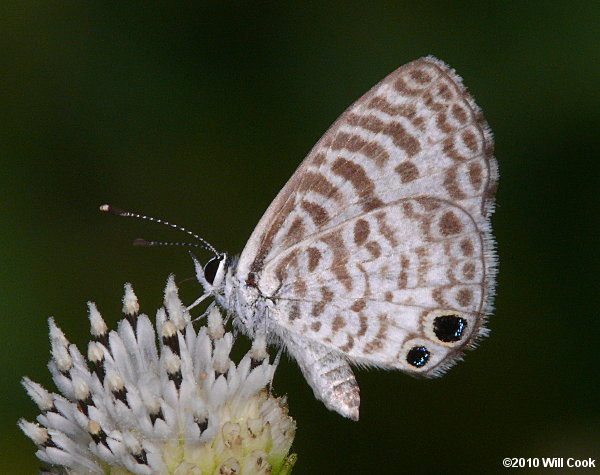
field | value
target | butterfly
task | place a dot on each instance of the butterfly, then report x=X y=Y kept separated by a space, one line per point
x=378 y=251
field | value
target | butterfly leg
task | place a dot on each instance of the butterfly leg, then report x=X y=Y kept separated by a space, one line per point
x=198 y=301
x=328 y=374
x=204 y=314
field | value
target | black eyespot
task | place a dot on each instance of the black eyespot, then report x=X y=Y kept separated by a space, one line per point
x=449 y=328
x=418 y=356
x=211 y=268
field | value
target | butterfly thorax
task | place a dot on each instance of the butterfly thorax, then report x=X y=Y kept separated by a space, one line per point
x=241 y=296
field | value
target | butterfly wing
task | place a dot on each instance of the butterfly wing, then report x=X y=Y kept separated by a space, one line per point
x=379 y=285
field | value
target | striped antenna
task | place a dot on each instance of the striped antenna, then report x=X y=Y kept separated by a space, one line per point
x=143 y=242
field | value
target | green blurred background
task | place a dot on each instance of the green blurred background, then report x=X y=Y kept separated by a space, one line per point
x=199 y=112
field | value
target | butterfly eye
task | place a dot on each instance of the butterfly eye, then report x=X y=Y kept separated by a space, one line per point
x=449 y=328
x=211 y=268
x=418 y=356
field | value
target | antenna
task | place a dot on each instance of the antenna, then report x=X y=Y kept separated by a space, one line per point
x=142 y=242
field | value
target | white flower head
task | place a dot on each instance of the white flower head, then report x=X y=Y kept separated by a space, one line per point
x=177 y=407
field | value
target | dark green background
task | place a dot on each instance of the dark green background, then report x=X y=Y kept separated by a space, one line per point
x=199 y=112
